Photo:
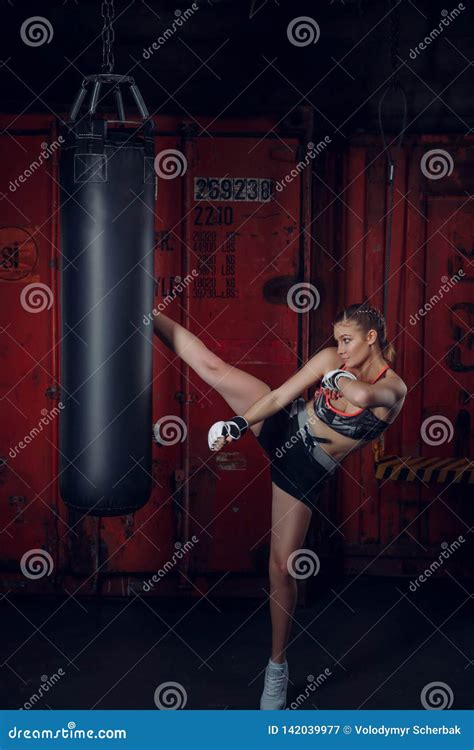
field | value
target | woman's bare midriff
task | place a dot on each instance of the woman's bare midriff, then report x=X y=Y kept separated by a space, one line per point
x=338 y=446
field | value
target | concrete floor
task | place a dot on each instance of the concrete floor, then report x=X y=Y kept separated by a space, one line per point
x=378 y=647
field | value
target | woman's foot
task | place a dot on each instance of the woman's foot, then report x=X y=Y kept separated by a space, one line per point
x=273 y=697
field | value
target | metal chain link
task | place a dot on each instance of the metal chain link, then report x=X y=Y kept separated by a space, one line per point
x=108 y=36
x=394 y=37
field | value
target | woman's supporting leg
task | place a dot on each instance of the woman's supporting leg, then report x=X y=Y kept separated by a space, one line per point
x=290 y=522
x=238 y=388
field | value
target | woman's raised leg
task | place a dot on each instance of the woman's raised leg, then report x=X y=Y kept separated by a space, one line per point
x=238 y=388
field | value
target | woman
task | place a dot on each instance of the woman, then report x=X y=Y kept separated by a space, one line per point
x=369 y=395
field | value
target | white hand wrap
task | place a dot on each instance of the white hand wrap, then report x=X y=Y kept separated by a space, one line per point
x=331 y=379
x=233 y=428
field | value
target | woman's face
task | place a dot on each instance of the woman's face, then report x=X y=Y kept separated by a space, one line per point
x=352 y=343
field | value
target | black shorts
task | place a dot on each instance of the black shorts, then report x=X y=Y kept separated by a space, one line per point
x=293 y=467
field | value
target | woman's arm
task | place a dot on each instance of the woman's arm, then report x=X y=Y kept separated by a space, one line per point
x=310 y=373
x=387 y=392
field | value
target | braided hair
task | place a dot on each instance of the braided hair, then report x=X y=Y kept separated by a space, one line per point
x=367 y=318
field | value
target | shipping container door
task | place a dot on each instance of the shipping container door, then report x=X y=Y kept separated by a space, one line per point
x=244 y=244
x=28 y=406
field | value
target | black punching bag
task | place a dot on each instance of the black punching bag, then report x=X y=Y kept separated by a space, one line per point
x=107 y=186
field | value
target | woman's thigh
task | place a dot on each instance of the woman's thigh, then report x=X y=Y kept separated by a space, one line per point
x=290 y=522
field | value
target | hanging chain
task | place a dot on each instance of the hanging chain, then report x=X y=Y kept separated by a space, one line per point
x=394 y=37
x=108 y=36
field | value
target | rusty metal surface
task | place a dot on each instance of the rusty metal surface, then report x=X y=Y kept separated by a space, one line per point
x=254 y=252
x=432 y=241
x=259 y=255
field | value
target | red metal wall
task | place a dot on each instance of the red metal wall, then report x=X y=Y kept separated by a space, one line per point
x=254 y=251
x=395 y=527
x=237 y=306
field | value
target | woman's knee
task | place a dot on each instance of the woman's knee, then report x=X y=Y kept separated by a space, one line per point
x=278 y=567
x=211 y=369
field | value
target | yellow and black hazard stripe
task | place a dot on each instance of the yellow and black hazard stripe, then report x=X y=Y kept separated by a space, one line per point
x=411 y=468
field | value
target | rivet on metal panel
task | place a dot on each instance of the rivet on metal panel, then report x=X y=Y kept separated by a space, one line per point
x=179 y=476
x=189 y=129
x=276 y=290
x=186 y=398
x=52 y=392
x=127 y=521
x=18 y=501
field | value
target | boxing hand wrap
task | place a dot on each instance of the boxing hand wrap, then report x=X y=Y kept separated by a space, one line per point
x=233 y=428
x=331 y=379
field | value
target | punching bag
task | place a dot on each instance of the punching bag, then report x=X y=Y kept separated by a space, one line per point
x=107 y=195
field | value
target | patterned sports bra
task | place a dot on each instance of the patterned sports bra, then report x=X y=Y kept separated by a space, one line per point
x=361 y=425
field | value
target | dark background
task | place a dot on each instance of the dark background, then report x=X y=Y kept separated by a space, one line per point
x=232 y=57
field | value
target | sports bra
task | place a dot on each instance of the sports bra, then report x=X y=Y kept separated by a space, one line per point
x=361 y=425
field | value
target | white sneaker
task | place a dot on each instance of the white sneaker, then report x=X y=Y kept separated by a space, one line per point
x=273 y=697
